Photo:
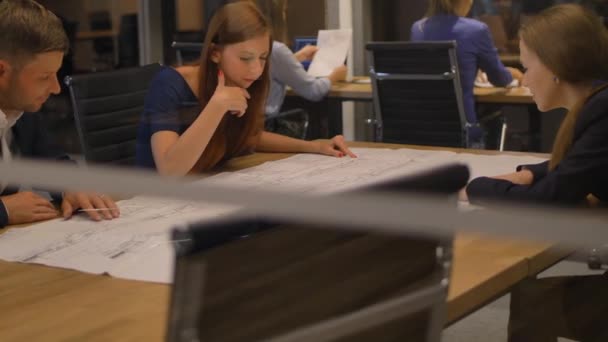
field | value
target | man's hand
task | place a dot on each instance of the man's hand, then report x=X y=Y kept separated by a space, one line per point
x=95 y=205
x=28 y=207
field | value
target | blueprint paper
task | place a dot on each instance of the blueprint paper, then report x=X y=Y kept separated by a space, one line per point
x=138 y=244
x=135 y=246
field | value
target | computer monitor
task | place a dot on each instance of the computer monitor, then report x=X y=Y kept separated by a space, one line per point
x=247 y=278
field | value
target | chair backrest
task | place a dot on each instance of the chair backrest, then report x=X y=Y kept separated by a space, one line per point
x=107 y=108
x=248 y=279
x=186 y=51
x=417 y=93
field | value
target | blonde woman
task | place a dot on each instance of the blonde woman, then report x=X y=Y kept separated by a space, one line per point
x=563 y=75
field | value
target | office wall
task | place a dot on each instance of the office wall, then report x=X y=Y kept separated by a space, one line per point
x=305 y=17
x=392 y=19
x=190 y=15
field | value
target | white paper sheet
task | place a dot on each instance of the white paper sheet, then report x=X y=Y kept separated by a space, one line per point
x=333 y=48
x=135 y=246
x=138 y=244
x=310 y=173
x=482 y=82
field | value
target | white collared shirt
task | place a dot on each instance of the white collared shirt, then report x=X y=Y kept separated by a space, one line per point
x=6 y=137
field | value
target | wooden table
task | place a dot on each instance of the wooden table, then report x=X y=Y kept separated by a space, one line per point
x=326 y=118
x=52 y=304
x=356 y=91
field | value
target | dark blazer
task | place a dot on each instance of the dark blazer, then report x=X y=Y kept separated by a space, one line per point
x=583 y=171
x=32 y=140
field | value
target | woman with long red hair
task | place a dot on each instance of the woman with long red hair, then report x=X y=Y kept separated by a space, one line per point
x=200 y=115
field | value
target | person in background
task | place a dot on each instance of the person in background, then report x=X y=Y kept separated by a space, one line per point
x=445 y=20
x=32 y=47
x=197 y=116
x=286 y=67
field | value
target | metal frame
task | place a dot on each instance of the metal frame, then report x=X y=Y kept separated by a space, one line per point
x=69 y=82
x=183 y=46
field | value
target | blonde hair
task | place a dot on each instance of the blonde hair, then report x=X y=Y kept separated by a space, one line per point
x=579 y=57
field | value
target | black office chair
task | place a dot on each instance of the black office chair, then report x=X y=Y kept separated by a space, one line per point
x=107 y=108
x=292 y=123
x=247 y=278
x=186 y=52
x=417 y=94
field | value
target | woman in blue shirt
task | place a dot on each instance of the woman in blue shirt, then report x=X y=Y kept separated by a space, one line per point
x=200 y=115
x=445 y=20
x=286 y=66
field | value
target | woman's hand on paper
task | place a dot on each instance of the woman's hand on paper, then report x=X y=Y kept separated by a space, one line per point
x=335 y=147
x=516 y=74
x=523 y=177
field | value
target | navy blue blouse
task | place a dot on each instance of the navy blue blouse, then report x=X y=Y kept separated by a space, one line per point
x=170 y=105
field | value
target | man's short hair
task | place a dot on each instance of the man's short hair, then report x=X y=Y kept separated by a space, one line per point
x=28 y=29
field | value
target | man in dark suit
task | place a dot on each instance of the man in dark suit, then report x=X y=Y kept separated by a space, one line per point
x=32 y=46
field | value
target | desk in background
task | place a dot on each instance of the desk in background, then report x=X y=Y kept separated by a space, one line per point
x=326 y=116
x=358 y=91
x=56 y=304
